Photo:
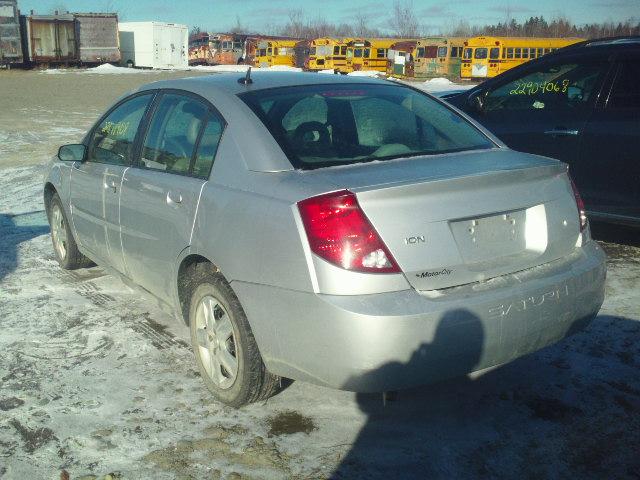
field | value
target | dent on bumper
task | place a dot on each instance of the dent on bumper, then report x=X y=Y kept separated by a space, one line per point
x=402 y=339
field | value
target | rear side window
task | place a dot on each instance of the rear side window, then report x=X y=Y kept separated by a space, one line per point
x=626 y=89
x=558 y=87
x=208 y=147
x=326 y=125
x=113 y=139
x=173 y=134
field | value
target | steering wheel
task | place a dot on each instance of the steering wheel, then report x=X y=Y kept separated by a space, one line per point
x=312 y=135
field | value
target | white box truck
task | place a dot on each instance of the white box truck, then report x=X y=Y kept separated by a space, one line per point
x=154 y=45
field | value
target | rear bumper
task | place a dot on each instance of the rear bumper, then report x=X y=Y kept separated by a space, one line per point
x=402 y=339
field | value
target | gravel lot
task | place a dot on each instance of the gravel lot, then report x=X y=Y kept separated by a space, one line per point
x=96 y=380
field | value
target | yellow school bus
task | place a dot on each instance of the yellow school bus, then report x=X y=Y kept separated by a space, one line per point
x=275 y=52
x=328 y=54
x=438 y=57
x=486 y=57
x=367 y=54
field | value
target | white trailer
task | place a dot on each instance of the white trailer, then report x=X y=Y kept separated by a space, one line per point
x=154 y=45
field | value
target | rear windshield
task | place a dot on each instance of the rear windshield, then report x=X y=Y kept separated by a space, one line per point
x=328 y=125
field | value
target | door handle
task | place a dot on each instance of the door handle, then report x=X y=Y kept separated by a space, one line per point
x=560 y=132
x=111 y=185
x=174 y=197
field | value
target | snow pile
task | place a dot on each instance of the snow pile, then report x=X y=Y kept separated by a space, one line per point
x=441 y=85
x=108 y=69
x=366 y=73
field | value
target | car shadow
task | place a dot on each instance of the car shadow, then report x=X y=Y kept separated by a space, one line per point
x=571 y=410
x=15 y=229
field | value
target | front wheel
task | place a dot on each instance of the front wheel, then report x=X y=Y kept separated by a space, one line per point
x=64 y=245
x=226 y=351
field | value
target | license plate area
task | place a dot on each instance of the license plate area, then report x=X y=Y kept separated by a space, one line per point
x=488 y=238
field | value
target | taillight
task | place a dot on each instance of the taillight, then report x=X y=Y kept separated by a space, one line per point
x=339 y=232
x=582 y=214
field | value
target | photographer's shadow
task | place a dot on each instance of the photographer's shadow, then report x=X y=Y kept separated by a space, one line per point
x=382 y=448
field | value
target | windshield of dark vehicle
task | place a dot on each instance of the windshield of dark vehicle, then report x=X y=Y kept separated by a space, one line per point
x=326 y=125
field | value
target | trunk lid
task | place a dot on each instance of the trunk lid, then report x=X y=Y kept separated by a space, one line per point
x=461 y=218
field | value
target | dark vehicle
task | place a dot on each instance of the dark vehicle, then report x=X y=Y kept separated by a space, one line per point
x=580 y=105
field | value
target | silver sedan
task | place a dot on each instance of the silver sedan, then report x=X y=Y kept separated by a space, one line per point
x=354 y=233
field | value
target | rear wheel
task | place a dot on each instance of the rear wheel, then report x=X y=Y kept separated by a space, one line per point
x=64 y=245
x=226 y=351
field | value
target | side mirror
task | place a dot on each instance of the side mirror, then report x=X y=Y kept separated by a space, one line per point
x=72 y=153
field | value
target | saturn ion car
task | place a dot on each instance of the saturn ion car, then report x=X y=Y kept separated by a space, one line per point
x=354 y=233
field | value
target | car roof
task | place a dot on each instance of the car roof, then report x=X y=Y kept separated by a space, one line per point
x=229 y=81
x=608 y=44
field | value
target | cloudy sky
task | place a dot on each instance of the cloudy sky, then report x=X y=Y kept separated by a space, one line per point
x=261 y=15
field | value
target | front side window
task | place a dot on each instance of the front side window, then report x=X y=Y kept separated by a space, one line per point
x=113 y=139
x=173 y=134
x=468 y=52
x=558 y=87
x=381 y=52
x=336 y=50
x=420 y=52
x=442 y=52
x=494 y=54
x=626 y=89
x=455 y=52
x=327 y=125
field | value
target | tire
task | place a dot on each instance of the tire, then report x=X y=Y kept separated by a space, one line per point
x=65 y=248
x=222 y=339
x=130 y=64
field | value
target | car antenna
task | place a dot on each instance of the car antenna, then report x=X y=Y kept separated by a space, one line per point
x=247 y=78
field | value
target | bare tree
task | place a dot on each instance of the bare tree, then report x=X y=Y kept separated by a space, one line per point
x=295 y=27
x=238 y=28
x=404 y=22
